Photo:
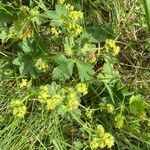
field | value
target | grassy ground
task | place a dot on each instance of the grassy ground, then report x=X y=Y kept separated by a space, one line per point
x=126 y=22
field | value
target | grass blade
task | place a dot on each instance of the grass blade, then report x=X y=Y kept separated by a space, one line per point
x=146 y=4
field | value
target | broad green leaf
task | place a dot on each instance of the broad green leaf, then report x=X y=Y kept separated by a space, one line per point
x=100 y=33
x=25 y=64
x=32 y=47
x=78 y=145
x=84 y=38
x=56 y=15
x=64 y=70
x=54 y=87
x=60 y=10
x=36 y=16
x=25 y=60
x=85 y=71
x=26 y=46
x=137 y=104
x=108 y=73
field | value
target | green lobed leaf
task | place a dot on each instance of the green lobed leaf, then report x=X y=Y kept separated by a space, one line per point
x=25 y=60
x=56 y=15
x=137 y=104
x=64 y=70
x=108 y=73
x=100 y=33
x=85 y=71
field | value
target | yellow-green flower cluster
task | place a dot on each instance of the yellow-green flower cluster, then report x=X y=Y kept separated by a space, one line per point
x=109 y=107
x=71 y=92
x=75 y=15
x=89 y=113
x=61 y=2
x=55 y=31
x=102 y=139
x=143 y=115
x=26 y=33
x=74 y=29
x=93 y=59
x=94 y=144
x=53 y=102
x=18 y=108
x=119 y=121
x=71 y=95
x=71 y=20
x=111 y=47
x=73 y=102
x=43 y=94
x=88 y=48
x=25 y=83
x=49 y=100
x=41 y=65
x=82 y=88
x=68 y=52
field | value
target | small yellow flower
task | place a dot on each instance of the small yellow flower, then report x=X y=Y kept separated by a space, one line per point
x=53 y=102
x=55 y=31
x=18 y=108
x=41 y=65
x=76 y=15
x=20 y=111
x=16 y=103
x=44 y=88
x=86 y=48
x=101 y=144
x=25 y=83
x=71 y=93
x=24 y=8
x=111 y=46
x=111 y=43
x=73 y=104
x=143 y=115
x=110 y=108
x=69 y=52
x=111 y=142
x=74 y=29
x=82 y=88
x=70 y=26
x=89 y=113
x=94 y=144
x=102 y=138
x=43 y=94
x=119 y=121
x=78 y=30
x=116 y=50
x=100 y=129
x=61 y=2
x=108 y=139
x=93 y=59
